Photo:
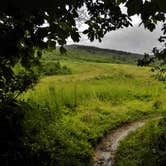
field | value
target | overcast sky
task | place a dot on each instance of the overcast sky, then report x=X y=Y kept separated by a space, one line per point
x=134 y=39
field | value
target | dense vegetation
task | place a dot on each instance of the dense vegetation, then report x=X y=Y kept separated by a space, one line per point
x=69 y=114
x=53 y=68
x=146 y=146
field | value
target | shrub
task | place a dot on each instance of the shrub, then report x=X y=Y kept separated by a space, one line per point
x=54 y=68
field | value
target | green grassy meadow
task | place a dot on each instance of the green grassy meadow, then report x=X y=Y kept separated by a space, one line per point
x=74 y=111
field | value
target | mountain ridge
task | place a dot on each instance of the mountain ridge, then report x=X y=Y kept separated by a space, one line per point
x=94 y=54
x=106 y=50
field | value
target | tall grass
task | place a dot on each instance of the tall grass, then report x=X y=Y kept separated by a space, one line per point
x=105 y=87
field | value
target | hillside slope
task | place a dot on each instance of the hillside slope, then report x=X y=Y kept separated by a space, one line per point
x=94 y=54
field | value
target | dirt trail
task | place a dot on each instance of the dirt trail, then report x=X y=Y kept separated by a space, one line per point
x=105 y=151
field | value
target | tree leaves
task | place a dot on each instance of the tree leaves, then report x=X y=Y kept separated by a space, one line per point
x=134 y=7
x=105 y=16
x=148 y=24
x=120 y=1
x=160 y=4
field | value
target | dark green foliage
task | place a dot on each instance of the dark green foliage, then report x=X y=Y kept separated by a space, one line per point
x=150 y=12
x=31 y=136
x=15 y=137
x=53 y=68
x=12 y=151
x=134 y=6
x=11 y=87
x=48 y=143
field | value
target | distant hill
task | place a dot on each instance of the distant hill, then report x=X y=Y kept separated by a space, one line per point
x=97 y=49
x=93 y=54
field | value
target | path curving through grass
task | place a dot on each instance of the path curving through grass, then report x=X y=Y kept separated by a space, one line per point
x=105 y=152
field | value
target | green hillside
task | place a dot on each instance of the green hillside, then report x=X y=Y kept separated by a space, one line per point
x=93 y=54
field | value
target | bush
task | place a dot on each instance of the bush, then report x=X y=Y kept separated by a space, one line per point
x=49 y=140
x=12 y=151
x=36 y=136
x=54 y=68
x=23 y=136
